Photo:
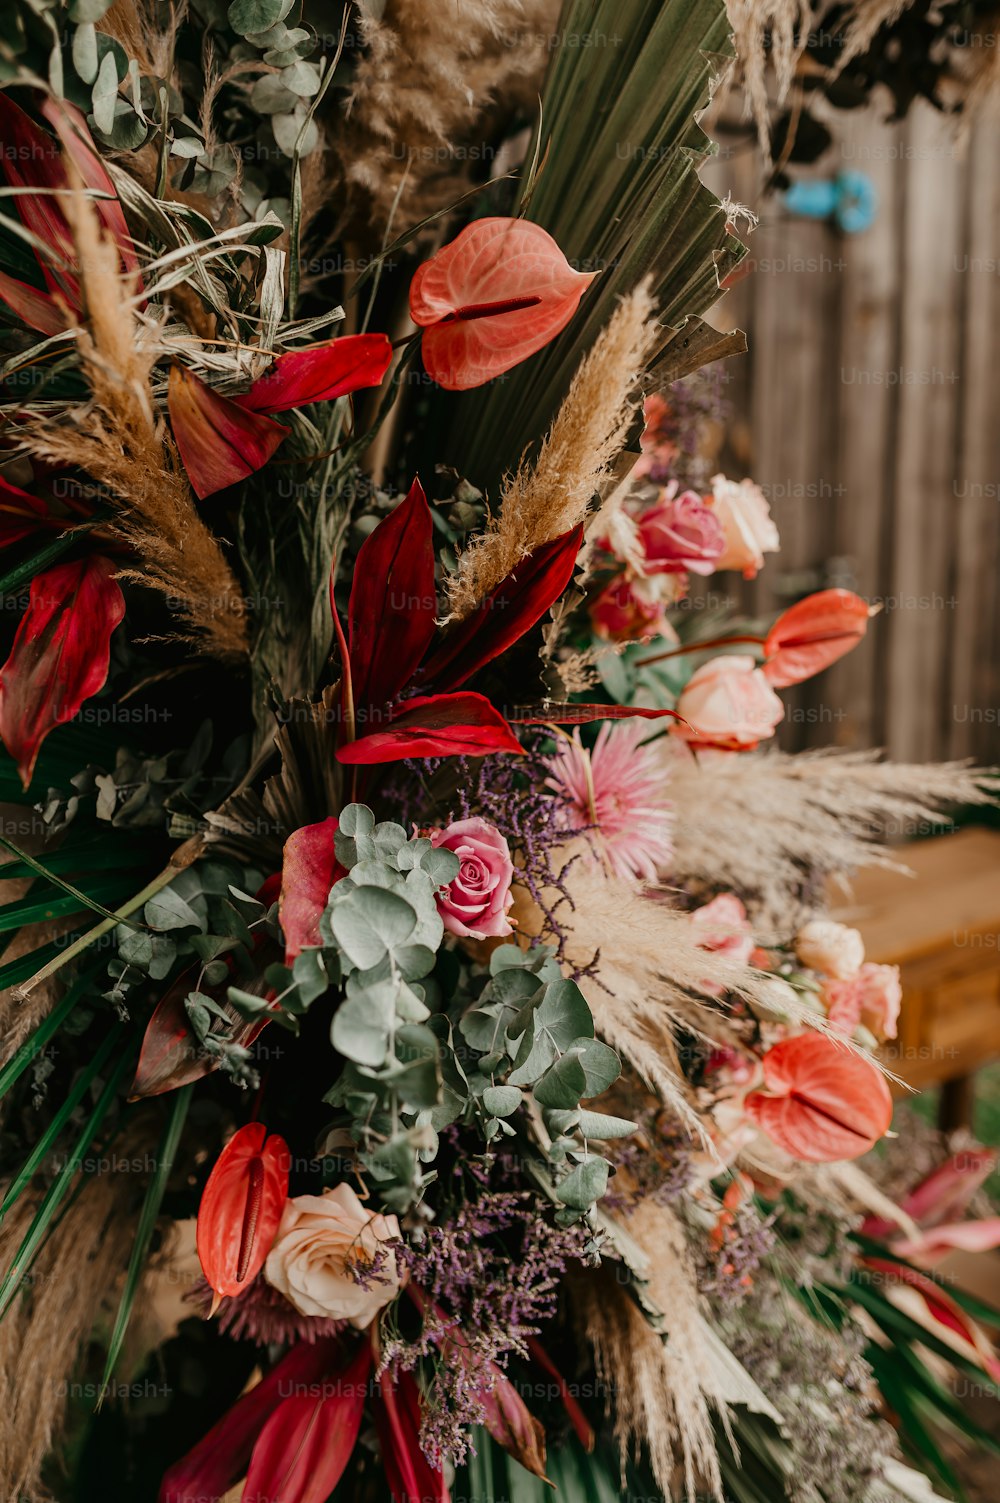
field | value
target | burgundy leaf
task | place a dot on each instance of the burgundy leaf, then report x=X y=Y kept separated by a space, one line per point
x=309 y=868
x=410 y=1475
x=438 y=725
x=218 y=442
x=221 y=1458
x=570 y=714
x=392 y=607
x=31 y=159
x=320 y=373
x=575 y=1415
x=60 y=654
x=21 y=515
x=37 y=309
x=71 y=128
x=171 y=1054
x=507 y=612
x=306 y=1444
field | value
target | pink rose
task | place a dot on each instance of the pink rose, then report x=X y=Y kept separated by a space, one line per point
x=872 y=998
x=742 y=511
x=724 y=927
x=728 y=703
x=627 y=610
x=334 y=1258
x=680 y=533
x=475 y=903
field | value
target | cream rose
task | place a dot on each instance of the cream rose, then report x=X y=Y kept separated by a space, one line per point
x=334 y=1258
x=832 y=949
x=742 y=511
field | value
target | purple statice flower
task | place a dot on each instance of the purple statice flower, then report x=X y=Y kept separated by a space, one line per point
x=746 y=1241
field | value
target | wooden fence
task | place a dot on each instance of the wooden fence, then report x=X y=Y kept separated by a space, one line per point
x=868 y=408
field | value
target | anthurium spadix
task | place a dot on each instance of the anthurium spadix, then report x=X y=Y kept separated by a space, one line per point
x=241 y=1207
x=497 y=293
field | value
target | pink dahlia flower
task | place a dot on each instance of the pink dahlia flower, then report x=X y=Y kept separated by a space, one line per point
x=616 y=790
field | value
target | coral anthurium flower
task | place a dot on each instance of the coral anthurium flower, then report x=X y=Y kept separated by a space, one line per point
x=812 y=634
x=494 y=295
x=219 y=442
x=823 y=1102
x=241 y=1208
x=309 y=868
x=60 y=654
x=320 y=373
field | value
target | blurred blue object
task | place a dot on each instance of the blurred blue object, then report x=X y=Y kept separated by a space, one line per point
x=849 y=198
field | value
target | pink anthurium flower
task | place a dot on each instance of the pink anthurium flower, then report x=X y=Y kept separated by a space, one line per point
x=812 y=634
x=60 y=655
x=241 y=1208
x=497 y=293
x=822 y=1102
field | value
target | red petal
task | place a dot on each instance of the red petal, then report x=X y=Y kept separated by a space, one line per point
x=391 y=613
x=37 y=309
x=812 y=634
x=307 y=1442
x=309 y=868
x=320 y=373
x=497 y=293
x=22 y=515
x=410 y=1475
x=71 y=127
x=827 y=1103
x=218 y=442
x=171 y=1055
x=60 y=655
x=570 y=714
x=440 y=725
x=241 y=1207
x=507 y=612
x=221 y=1458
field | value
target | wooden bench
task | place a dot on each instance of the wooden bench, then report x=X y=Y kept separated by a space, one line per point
x=942 y=928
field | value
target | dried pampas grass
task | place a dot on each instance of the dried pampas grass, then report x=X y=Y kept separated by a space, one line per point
x=663 y=1380
x=118 y=439
x=428 y=77
x=548 y=498
x=45 y=1329
x=774 y=826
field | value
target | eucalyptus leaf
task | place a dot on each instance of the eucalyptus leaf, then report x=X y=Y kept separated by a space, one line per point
x=585 y=1184
x=247 y=17
x=500 y=1101
x=105 y=94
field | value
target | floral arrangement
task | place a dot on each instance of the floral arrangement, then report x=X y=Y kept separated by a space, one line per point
x=426 y=1046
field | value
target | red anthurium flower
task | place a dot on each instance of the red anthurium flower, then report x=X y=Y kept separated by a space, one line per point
x=218 y=442
x=309 y=868
x=823 y=1101
x=241 y=1207
x=304 y=1447
x=437 y=725
x=410 y=1475
x=221 y=1458
x=812 y=634
x=60 y=654
x=32 y=160
x=320 y=373
x=498 y=292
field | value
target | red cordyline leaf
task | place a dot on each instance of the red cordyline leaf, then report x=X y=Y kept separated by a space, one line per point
x=438 y=725
x=241 y=1207
x=71 y=127
x=583 y=714
x=392 y=608
x=309 y=868
x=306 y=1444
x=171 y=1053
x=34 y=308
x=812 y=634
x=826 y=1103
x=500 y=290
x=320 y=373
x=60 y=655
x=512 y=609
x=219 y=443
x=221 y=1457
x=21 y=515
x=936 y=1311
x=584 y=1430
x=410 y=1475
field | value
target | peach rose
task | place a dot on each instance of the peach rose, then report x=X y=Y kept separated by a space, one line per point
x=743 y=513
x=872 y=998
x=728 y=703
x=334 y=1258
x=830 y=948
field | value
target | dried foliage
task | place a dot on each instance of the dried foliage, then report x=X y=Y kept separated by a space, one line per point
x=119 y=441
x=546 y=499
